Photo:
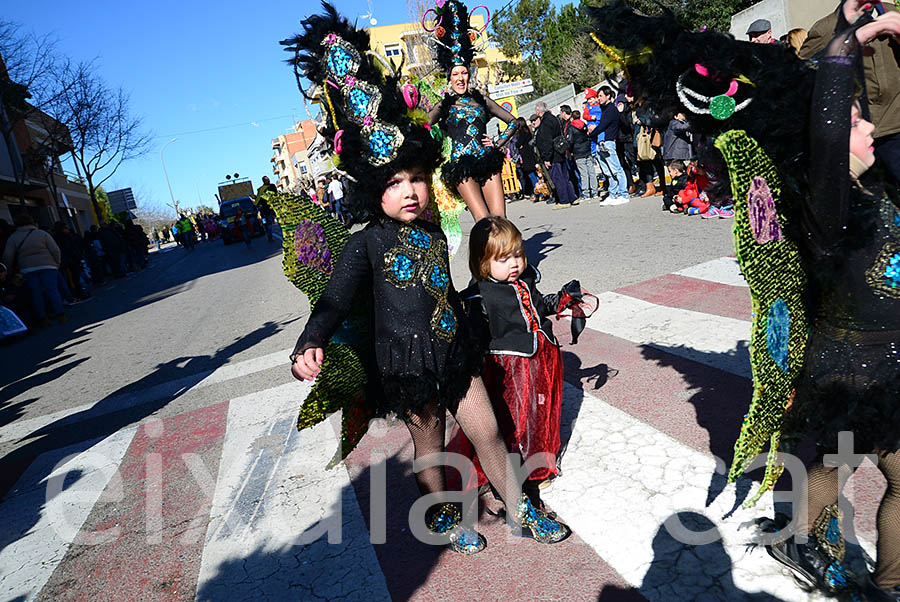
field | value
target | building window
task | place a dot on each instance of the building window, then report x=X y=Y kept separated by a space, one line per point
x=391 y=50
x=303 y=169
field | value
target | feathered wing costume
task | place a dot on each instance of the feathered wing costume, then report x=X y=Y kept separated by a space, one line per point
x=312 y=241
x=374 y=132
x=747 y=100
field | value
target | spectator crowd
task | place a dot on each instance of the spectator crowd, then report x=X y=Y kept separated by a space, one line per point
x=45 y=270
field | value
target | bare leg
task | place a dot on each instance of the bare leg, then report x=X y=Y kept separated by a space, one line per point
x=476 y=419
x=493 y=195
x=470 y=191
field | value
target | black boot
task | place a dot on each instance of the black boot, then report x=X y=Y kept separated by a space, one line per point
x=876 y=594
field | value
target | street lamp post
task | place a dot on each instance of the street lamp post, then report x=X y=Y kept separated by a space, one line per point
x=165 y=173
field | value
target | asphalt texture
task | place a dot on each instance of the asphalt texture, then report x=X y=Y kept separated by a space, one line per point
x=191 y=312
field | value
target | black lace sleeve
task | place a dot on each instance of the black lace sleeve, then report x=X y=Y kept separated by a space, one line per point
x=826 y=211
x=350 y=273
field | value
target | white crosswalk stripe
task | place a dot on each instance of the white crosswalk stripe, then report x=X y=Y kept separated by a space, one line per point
x=78 y=475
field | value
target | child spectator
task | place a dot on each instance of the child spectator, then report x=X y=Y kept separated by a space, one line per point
x=679 y=180
x=688 y=198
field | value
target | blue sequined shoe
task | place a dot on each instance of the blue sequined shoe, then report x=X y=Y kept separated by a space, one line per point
x=536 y=524
x=446 y=520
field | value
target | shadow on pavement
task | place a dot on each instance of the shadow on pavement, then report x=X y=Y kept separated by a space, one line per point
x=720 y=400
x=536 y=244
x=308 y=567
x=576 y=375
x=166 y=275
x=683 y=571
x=108 y=416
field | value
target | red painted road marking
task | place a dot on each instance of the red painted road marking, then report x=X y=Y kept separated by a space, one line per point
x=694 y=294
x=156 y=559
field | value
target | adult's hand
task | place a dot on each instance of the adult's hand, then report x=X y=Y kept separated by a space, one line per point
x=854 y=9
x=888 y=23
x=547 y=164
x=306 y=366
x=486 y=141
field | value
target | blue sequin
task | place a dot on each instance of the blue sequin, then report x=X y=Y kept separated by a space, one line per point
x=892 y=271
x=833 y=533
x=897 y=220
x=381 y=144
x=339 y=61
x=448 y=321
x=419 y=239
x=439 y=278
x=836 y=577
x=778 y=333
x=358 y=101
x=402 y=268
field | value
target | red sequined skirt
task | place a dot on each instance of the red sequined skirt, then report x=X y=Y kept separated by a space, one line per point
x=526 y=393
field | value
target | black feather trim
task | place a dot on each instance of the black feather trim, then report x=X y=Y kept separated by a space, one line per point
x=480 y=169
x=445 y=55
x=419 y=149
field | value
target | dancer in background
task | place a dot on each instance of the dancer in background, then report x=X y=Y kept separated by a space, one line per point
x=475 y=160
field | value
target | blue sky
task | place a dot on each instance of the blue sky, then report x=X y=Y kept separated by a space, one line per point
x=192 y=66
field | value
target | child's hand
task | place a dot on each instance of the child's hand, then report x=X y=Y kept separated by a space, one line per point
x=306 y=366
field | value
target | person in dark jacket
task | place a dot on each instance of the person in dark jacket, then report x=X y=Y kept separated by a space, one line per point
x=625 y=141
x=70 y=247
x=113 y=248
x=580 y=147
x=547 y=130
x=527 y=159
x=677 y=143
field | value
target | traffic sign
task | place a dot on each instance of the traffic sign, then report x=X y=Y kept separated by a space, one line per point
x=504 y=88
x=512 y=92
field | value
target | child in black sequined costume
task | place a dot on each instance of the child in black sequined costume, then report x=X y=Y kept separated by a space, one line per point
x=422 y=361
x=810 y=124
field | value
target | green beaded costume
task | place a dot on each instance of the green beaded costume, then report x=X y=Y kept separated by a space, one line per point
x=771 y=264
x=313 y=239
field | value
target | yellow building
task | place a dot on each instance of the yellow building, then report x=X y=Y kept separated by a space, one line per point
x=408 y=42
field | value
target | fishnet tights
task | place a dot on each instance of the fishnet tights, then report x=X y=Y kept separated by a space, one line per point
x=475 y=417
x=823 y=485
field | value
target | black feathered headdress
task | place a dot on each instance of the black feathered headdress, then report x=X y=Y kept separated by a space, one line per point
x=370 y=122
x=719 y=83
x=453 y=39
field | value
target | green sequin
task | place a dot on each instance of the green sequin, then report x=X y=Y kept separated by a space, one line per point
x=773 y=271
x=341 y=382
x=722 y=107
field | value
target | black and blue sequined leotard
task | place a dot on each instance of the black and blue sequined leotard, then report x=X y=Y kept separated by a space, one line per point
x=422 y=349
x=851 y=243
x=464 y=120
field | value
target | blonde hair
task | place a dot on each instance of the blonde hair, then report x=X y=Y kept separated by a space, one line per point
x=492 y=237
x=796 y=37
